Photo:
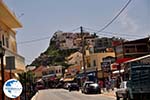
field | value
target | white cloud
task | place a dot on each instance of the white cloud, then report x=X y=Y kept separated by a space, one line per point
x=127 y=23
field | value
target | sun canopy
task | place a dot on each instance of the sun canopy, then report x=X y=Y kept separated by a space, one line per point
x=117 y=71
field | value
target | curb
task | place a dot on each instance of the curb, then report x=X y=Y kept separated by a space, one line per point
x=35 y=96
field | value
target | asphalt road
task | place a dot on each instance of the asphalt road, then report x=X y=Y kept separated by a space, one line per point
x=62 y=94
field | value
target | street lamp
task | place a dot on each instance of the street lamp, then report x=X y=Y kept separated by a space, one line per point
x=2 y=53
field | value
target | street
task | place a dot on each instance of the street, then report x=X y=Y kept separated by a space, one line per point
x=61 y=94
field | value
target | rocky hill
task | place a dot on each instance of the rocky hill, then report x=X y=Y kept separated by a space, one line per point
x=53 y=56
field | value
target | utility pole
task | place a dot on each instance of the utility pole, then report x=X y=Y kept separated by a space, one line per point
x=83 y=50
x=2 y=53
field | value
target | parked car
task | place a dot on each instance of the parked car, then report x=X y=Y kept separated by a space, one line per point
x=59 y=85
x=90 y=87
x=122 y=92
x=66 y=85
x=39 y=86
x=73 y=86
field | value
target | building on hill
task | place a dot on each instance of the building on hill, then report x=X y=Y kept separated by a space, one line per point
x=68 y=40
x=38 y=72
x=104 y=44
x=75 y=61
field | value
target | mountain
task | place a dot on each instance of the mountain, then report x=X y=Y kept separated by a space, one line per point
x=53 y=55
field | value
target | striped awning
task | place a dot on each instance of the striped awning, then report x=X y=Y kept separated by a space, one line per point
x=68 y=79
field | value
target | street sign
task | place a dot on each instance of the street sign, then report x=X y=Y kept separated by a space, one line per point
x=10 y=62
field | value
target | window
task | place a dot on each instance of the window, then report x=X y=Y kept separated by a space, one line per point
x=56 y=71
x=59 y=71
x=94 y=63
x=3 y=39
x=7 y=42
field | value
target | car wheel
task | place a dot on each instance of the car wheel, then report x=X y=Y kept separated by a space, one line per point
x=85 y=91
x=81 y=91
x=117 y=98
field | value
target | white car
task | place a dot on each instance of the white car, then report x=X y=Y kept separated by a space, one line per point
x=122 y=92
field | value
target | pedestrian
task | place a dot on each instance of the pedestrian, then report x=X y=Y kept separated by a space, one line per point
x=101 y=85
x=112 y=84
x=107 y=84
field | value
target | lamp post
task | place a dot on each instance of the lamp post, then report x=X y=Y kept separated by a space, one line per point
x=2 y=52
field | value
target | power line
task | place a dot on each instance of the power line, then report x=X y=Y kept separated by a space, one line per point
x=114 y=33
x=75 y=29
x=40 y=39
x=117 y=15
x=36 y=40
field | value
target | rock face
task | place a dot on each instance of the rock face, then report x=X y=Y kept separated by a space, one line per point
x=54 y=55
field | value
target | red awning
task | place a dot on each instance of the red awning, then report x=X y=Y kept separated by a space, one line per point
x=114 y=66
x=121 y=60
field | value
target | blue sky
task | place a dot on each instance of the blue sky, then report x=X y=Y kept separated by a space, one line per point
x=44 y=17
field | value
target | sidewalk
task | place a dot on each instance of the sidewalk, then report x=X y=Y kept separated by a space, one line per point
x=109 y=94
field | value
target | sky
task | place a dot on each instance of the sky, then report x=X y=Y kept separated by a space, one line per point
x=42 y=18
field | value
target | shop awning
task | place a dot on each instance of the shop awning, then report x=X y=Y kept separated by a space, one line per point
x=40 y=80
x=121 y=60
x=114 y=66
x=50 y=77
x=117 y=71
x=61 y=79
x=68 y=79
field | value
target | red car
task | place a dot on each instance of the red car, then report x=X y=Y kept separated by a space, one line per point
x=39 y=86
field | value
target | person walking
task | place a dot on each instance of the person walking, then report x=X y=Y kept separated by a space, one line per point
x=101 y=85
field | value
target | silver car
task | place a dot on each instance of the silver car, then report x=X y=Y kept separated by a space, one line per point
x=90 y=87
